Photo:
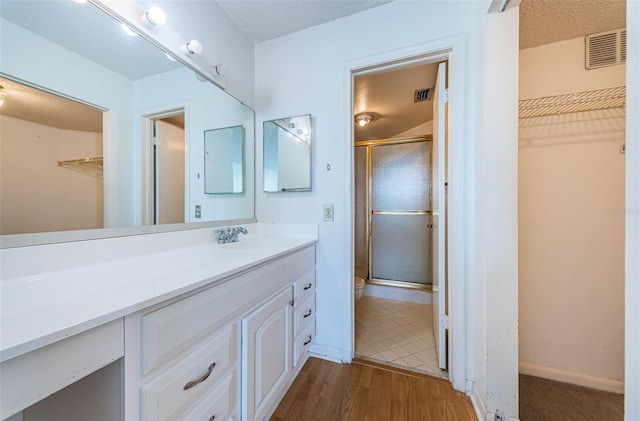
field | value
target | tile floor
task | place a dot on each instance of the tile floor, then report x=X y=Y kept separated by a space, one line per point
x=397 y=333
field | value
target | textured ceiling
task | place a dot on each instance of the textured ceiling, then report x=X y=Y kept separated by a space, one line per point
x=262 y=20
x=389 y=96
x=547 y=21
x=40 y=107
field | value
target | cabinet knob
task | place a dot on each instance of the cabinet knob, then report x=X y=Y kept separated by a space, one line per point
x=308 y=286
x=200 y=379
x=307 y=314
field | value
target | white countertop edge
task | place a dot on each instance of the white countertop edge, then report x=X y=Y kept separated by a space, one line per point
x=61 y=333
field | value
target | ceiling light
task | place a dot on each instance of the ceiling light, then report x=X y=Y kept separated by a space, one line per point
x=2 y=96
x=154 y=16
x=363 y=119
x=128 y=30
x=192 y=47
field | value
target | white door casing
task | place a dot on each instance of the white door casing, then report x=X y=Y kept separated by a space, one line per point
x=440 y=320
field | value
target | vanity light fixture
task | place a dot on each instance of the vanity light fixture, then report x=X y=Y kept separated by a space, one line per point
x=363 y=119
x=219 y=69
x=192 y=47
x=155 y=16
x=2 y=96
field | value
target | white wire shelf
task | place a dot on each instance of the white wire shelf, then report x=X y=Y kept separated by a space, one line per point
x=600 y=99
x=89 y=166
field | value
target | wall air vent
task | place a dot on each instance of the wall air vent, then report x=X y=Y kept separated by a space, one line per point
x=606 y=49
x=421 y=95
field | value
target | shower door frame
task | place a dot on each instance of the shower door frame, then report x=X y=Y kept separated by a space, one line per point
x=369 y=144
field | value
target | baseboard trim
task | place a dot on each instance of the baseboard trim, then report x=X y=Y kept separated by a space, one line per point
x=476 y=400
x=326 y=353
x=599 y=383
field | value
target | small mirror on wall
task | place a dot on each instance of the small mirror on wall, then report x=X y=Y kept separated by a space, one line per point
x=287 y=154
x=224 y=160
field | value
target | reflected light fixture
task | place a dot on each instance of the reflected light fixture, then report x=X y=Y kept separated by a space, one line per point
x=363 y=119
x=170 y=57
x=128 y=30
x=192 y=47
x=2 y=96
x=155 y=16
x=80 y=1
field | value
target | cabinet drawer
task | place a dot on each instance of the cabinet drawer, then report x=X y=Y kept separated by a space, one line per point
x=217 y=404
x=302 y=343
x=304 y=287
x=304 y=315
x=172 y=329
x=165 y=397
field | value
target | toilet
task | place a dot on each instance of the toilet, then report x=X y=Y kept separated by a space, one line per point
x=358 y=285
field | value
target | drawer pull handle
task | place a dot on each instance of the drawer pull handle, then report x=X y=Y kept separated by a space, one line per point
x=199 y=380
x=213 y=417
x=307 y=342
x=308 y=286
x=308 y=314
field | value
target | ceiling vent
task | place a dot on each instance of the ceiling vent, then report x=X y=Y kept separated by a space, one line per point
x=421 y=95
x=606 y=49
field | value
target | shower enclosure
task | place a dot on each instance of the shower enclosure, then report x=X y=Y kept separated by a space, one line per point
x=393 y=206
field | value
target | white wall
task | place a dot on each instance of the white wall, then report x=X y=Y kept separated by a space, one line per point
x=571 y=222
x=77 y=77
x=312 y=81
x=36 y=195
x=632 y=219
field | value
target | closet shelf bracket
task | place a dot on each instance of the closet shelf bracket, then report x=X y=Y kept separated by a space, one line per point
x=88 y=166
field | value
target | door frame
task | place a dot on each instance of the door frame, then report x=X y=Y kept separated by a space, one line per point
x=451 y=49
x=147 y=122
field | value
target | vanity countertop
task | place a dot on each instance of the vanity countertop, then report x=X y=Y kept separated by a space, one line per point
x=40 y=309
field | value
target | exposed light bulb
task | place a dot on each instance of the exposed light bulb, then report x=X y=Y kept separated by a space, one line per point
x=154 y=16
x=192 y=47
x=128 y=30
x=2 y=96
x=362 y=122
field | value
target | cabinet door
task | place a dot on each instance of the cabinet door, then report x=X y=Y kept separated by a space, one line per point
x=266 y=359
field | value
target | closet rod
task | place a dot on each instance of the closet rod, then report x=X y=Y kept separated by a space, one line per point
x=599 y=99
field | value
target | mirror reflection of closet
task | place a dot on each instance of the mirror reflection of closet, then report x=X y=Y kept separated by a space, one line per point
x=51 y=164
x=287 y=154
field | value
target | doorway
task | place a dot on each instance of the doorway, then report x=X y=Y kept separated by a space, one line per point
x=165 y=167
x=396 y=320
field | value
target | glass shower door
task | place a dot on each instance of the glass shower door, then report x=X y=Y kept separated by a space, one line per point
x=401 y=213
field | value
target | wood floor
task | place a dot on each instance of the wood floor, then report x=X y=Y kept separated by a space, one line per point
x=362 y=392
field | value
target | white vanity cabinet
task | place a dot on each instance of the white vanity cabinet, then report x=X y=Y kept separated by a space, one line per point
x=266 y=365
x=225 y=351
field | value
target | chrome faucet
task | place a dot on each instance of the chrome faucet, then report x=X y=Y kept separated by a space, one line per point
x=229 y=234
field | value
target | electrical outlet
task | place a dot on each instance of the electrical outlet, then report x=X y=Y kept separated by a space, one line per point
x=327 y=213
x=198 y=214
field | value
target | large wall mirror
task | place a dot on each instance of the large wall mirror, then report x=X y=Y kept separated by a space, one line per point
x=102 y=129
x=287 y=154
